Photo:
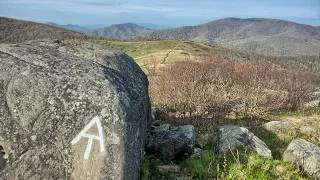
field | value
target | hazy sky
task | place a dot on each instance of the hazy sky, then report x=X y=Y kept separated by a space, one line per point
x=163 y=12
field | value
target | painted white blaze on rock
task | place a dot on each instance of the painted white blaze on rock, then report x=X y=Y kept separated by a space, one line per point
x=91 y=137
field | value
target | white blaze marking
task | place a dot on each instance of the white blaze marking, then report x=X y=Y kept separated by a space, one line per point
x=95 y=120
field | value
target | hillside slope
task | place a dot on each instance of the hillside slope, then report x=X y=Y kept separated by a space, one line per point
x=263 y=36
x=162 y=53
x=15 y=31
x=266 y=36
x=120 y=31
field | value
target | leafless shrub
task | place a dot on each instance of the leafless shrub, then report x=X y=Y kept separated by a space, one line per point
x=206 y=90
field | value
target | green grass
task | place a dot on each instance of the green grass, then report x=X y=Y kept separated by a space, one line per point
x=276 y=139
x=202 y=167
x=307 y=122
x=300 y=113
x=143 y=51
x=239 y=164
x=242 y=164
x=149 y=171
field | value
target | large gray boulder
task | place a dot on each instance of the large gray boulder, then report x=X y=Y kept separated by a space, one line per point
x=71 y=110
x=171 y=142
x=234 y=136
x=304 y=155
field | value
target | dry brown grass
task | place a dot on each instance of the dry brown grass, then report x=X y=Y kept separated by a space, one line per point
x=213 y=86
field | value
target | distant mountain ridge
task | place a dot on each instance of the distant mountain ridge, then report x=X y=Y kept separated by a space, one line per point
x=259 y=35
x=235 y=28
x=153 y=26
x=266 y=36
x=70 y=26
x=99 y=26
x=120 y=31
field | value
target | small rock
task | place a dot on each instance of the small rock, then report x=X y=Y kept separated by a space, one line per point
x=170 y=143
x=233 y=136
x=305 y=155
x=196 y=152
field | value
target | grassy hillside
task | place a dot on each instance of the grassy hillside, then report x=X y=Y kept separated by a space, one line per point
x=14 y=31
x=160 y=51
x=163 y=52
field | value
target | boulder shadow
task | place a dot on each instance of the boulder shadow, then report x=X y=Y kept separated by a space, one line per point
x=3 y=161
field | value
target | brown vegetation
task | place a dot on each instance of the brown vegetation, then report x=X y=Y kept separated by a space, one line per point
x=207 y=90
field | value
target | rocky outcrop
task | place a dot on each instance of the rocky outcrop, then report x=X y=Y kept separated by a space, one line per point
x=312 y=104
x=71 y=110
x=171 y=142
x=234 y=136
x=315 y=100
x=278 y=124
x=305 y=155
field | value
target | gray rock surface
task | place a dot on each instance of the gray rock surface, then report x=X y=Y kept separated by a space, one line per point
x=50 y=91
x=234 y=136
x=171 y=142
x=162 y=128
x=305 y=155
x=197 y=152
x=278 y=124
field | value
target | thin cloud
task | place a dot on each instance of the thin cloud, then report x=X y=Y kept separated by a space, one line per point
x=174 y=11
